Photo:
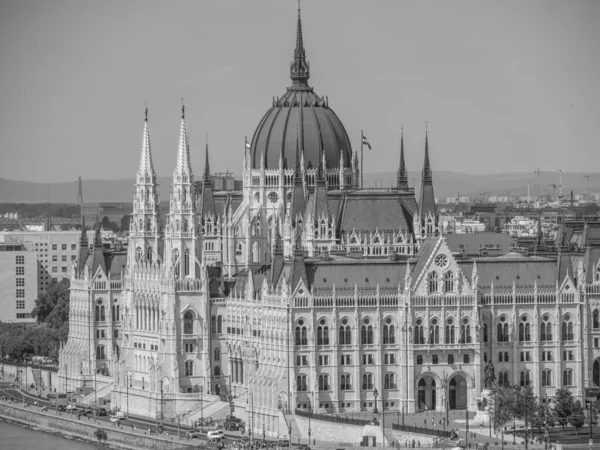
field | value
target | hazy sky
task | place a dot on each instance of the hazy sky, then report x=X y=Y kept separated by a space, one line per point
x=505 y=86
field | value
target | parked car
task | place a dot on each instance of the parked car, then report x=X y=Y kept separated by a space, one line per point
x=71 y=407
x=215 y=435
x=100 y=411
x=114 y=419
x=120 y=414
x=193 y=434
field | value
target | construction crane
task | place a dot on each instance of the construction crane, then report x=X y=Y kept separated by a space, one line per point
x=560 y=172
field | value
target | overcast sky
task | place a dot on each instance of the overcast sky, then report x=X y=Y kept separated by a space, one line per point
x=504 y=86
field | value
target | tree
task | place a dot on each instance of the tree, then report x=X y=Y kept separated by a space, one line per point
x=58 y=293
x=577 y=418
x=125 y=222
x=501 y=405
x=563 y=406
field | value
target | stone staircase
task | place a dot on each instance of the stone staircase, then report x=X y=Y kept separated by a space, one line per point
x=101 y=392
x=214 y=408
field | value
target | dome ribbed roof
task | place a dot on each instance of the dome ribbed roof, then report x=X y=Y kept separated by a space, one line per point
x=300 y=112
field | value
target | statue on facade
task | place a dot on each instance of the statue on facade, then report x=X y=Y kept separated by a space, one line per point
x=489 y=376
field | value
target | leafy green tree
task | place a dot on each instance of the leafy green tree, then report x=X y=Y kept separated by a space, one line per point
x=563 y=406
x=125 y=222
x=501 y=406
x=58 y=293
x=577 y=418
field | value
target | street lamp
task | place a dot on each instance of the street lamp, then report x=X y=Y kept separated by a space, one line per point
x=201 y=410
x=375 y=395
x=309 y=415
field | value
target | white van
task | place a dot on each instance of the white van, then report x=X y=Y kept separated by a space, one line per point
x=215 y=435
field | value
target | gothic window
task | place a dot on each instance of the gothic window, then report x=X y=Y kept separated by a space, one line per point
x=188 y=323
x=102 y=313
x=465 y=332
x=345 y=336
x=138 y=254
x=567 y=328
x=189 y=368
x=367 y=383
x=525 y=378
x=546 y=329
x=150 y=255
x=503 y=378
x=448 y=281
x=389 y=381
x=323 y=382
x=301 y=334
x=217 y=371
x=419 y=332
x=301 y=383
x=433 y=281
x=346 y=382
x=141 y=225
x=449 y=337
x=323 y=228
x=217 y=355
x=178 y=225
x=502 y=332
x=366 y=333
x=219 y=324
x=100 y=354
x=524 y=330
x=388 y=332
x=185 y=225
x=213 y=324
x=441 y=261
x=185 y=196
x=547 y=378
x=255 y=252
x=567 y=377
x=186 y=262
x=434 y=332
x=596 y=319
x=485 y=332
x=323 y=333
x=148 y=225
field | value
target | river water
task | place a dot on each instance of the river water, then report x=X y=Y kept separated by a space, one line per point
x=18 y=438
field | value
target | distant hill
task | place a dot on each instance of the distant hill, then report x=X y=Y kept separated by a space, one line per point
x=446 y=184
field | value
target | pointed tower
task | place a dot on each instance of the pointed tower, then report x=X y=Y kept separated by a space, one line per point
x=181 y=251
x=402 y=184
x=211 y=224
x=144 y=226
x=426 y=220
x=299 y=68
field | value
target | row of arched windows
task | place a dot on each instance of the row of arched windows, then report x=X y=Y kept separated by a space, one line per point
x=449 y=332
x=346 y=382
x=345 y=333
x=567 y=329
x=546 y=378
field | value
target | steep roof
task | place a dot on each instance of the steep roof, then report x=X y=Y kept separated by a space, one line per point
x=367 y=210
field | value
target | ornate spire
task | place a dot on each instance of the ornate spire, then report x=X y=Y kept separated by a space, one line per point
x=146 y=165
x=184 y=165
x=299 y=68
x=206 y=164
x=426 y=166
x=402 y=174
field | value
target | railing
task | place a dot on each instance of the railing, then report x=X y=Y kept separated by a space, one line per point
x=188 y=285
x=421 y=430
x=329 y=418
x=444 y=300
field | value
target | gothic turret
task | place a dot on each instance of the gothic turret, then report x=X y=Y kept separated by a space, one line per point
x=299 y=68
x=402 y=174
x=427 y=199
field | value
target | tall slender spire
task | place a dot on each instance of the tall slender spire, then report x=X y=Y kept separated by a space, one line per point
x=146 y=164
x=299 y=68
x=183 y=166
x=427 y=176
x=206 y=164
x=402 y=174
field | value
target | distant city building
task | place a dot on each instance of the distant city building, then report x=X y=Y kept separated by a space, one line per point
x=18 y=283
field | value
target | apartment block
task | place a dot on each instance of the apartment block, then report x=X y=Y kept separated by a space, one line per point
x=18 y=283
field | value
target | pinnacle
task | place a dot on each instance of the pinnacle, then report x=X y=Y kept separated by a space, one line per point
x=184 y=166
x=146 y=164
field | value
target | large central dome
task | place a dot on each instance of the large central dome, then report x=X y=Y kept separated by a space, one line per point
x=300 y=114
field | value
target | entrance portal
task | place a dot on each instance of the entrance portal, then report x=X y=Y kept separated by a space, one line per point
x=426 y=398
x=458 y=392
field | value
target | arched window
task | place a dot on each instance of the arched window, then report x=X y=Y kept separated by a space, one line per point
x=175 y=259
x=388 y=332
x=567 y=328
x=217 y=371
x=503 y=378
x=525 y=378
x=524 y=330
x=346 y=382
x=102 y=313
x=449 y=338
x=323 y=333
x=150 y=255
x=323 y=382
x=434 y=332
x=596 y=319
x=366 y=333
x=217 y=354
x=301 y=384
x=567 y=377
x=419 y=332
x=465 y=331
x=138 y=253
x=345 y=335
x=301 y=334
x=546 y=329
x=485 y=332
x=219 y=324
x=503 y=334
x=97 y=315
x=433 y=282
x=547 y=378
x=389 y=381
x=449 y=281
x=188 y=323
x=186 y=262
x=367 y=381
x=213 y=324
x=189 y=368
x=148 y=224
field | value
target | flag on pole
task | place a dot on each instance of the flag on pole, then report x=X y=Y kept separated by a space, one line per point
x=366 y=142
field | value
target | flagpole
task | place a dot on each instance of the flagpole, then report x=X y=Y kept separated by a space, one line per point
x=362 y=144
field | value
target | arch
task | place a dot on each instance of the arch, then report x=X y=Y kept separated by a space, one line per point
x=367 y=383
x=213 y=324
x=434 y=331
x=390 y=381
x=217 y=371
x=433 y=279
x=546 y=328
x=301 y=333
x=345 y=333
x=419 y=331
x=465 y=331
x=450 y=337
x=255 y=252
x=503 y=378
x=366 y=332
x=186 y=262
x=457 y=392
x=389 y=335
x=426 y=392
x=596 y=319
x=502 y=332
x=596 y=373
x=567 y=328
x=219 y=324
x=547 y=378
x=525 y=378
x=449 y=282
x=324 y=382
x=567 y=377
x=346 y=382
x=139 y=253
x=188 y=323
x=322 y=332
x=524 y=329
